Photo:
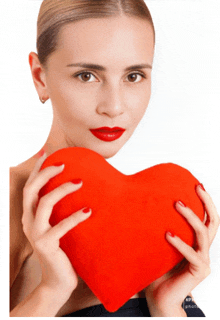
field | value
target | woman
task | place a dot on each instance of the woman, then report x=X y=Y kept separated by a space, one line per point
x=94 y=63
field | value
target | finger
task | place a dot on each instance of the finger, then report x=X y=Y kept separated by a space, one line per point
x=198 y=264
x=202 y=236
x=36 y=169
x=205 y=218
x=30 y=194
x=68 y=223
x=188 y=252
x=185 y=281
x=213 y=219
x=48 y=201
x=31 y=190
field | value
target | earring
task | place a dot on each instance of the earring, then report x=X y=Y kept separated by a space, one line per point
x=42 y=100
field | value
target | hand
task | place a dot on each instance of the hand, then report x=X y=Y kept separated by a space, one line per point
x=57 y=270
x=169 y=292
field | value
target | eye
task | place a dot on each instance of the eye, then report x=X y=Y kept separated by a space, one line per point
x=84 y=75
x=133 y=76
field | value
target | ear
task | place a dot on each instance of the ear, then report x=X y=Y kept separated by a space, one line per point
x=38 y=75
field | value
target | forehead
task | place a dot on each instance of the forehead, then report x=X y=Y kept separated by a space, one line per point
x=122 y=38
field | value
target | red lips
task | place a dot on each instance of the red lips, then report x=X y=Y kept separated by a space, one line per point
x=108 y=134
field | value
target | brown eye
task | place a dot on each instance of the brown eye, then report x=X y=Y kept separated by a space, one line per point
x=133 y=76
x=85 y=76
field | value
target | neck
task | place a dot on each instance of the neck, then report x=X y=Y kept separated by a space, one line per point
x=56 y=140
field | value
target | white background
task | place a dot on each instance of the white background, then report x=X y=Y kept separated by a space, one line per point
x=181 y=124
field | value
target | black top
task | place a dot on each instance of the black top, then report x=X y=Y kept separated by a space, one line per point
x=136 y=307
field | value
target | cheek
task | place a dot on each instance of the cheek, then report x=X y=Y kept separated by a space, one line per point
x=140 y=104
x=69 y=103
x=74 y=113
x=62 y=92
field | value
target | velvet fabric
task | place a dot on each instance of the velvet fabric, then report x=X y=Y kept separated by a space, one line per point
x=121 y=248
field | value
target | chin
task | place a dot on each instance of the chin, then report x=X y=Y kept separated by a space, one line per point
x=106 y=152
x=108 y=155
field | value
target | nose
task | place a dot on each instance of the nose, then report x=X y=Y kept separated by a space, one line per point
x=112 y=103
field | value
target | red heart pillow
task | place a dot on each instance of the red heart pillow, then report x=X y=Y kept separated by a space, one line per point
x=121 y=248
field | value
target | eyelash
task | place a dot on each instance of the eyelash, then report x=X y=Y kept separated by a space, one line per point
x=88 y=72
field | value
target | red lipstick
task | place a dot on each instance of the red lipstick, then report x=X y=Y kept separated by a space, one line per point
x=108 y=134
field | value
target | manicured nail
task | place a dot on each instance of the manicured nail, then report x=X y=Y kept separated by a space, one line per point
x=170 y=234
x=41 y=153
x=86 y=210
x=76 y=181
x=58 y=164
x=181 y=203
x=201 y=186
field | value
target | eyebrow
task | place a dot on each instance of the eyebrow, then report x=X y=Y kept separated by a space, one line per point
x=101 y=68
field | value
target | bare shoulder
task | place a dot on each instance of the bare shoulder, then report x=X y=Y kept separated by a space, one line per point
x=19 y=245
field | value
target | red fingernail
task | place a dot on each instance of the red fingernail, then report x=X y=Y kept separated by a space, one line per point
x=76 y=181
x=57 y=164
x=86 y=210
x=170 y=234
x=201 y=186
x=41 y=153
x=181 y=203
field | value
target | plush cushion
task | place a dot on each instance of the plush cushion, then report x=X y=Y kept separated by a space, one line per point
x=121 y=248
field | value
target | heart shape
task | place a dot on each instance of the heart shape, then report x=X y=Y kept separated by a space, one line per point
x=121 y=248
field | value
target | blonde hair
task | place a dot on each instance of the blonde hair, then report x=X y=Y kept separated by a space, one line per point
x=54 y=14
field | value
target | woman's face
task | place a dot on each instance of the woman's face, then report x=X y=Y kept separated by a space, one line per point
x=115 y=94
